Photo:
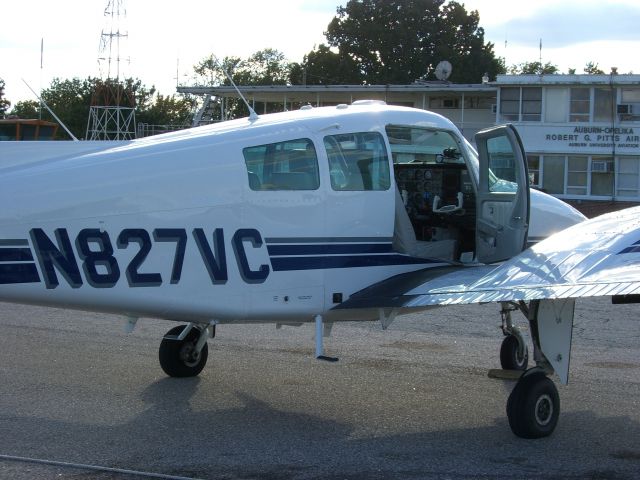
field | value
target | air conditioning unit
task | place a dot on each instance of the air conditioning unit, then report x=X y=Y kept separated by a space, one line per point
x=601 y=167
x=625 y=109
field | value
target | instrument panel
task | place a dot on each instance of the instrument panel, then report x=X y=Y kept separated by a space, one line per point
x=420 y=184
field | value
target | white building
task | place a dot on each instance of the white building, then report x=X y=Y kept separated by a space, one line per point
x=581 y=132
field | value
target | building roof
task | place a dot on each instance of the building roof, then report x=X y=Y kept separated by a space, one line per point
x=563 y=79
x=255 y=91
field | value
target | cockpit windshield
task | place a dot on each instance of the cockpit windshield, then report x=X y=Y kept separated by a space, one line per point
x=410 y=144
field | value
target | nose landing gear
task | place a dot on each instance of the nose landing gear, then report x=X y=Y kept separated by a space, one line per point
x=184 y=351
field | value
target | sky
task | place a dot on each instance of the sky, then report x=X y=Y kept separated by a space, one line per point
x=165 y=39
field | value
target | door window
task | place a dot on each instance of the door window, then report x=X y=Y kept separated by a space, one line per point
x=358 y=161
x=502 y=165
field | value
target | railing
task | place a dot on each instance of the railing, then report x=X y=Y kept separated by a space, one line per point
x=147 y=129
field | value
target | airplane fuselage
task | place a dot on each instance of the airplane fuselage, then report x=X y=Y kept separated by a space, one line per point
x=239 y=221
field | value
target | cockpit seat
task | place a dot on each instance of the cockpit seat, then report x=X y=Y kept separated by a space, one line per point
x=404 y=238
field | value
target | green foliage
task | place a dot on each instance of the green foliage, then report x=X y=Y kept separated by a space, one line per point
x=400 y=41
x=71 y=100
x=592 y=68
x=322 y=66
x=265 y=67
x=167 y=110
x=534 y=68
x=26 y=109
x=4 y=103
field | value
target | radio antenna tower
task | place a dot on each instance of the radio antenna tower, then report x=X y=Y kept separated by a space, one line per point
x=112 y=112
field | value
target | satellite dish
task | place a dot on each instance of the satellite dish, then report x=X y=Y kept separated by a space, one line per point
x=443 y=70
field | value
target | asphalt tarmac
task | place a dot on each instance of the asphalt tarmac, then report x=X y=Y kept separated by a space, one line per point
x=412 y=402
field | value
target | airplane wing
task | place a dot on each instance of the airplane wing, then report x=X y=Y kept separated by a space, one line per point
x=599 y=257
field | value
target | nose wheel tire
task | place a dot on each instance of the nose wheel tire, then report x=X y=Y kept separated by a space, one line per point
x=533 y=406
x=510 y=358
x=179 y=358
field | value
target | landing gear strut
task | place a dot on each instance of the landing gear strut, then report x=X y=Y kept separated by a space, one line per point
x=514 y=354
x=183 y=351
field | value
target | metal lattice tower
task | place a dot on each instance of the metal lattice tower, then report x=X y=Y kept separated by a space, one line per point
x=112 y=111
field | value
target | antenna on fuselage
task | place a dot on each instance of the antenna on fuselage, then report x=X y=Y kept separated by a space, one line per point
x=50 y=111
x=253 y=116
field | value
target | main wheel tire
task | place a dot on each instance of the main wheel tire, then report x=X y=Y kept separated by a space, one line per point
x=533 y=407
x=509 y=357
x=178 y=358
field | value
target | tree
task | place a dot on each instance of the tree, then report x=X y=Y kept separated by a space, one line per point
x=400 y=41
x=322 y=66
x=70 y=99
x=591 y=68
x=265 y=67
x=533 y=68
x=4 y=103
x=167 y=110
x=26 y=109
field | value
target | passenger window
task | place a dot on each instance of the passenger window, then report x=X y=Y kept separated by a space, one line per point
x=290 y=165
x=358 y=161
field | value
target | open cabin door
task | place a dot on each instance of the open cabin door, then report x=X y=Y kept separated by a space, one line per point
x=502 y=206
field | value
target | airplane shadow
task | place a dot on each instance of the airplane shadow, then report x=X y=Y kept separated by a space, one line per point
x=256 y=440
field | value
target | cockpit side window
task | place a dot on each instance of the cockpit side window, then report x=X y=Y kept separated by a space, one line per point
x=358 y=161
x=423 y=145
x=289 y=165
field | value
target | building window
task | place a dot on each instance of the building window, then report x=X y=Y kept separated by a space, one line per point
x=556 y=105
x=630 y=95
x=444 y=102
x=290 y=165
x=553 y=178
x=580 y=105
x=533 y=165
x=602 y=176
x=521 y=104
x=531 y=104
x=628 y=177
x=483 y=103
x=603 y=100
x=629 y=108
x=585 y=176
x=510 y=103
x=577 y=175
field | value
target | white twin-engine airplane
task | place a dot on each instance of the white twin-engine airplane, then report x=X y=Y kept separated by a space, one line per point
x=358 y=212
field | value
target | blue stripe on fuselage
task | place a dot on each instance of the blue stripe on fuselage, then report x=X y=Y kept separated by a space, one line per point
x=16 y=262
x=283 y=264
x=11 y=254
x=18 y=273
x=328 y=249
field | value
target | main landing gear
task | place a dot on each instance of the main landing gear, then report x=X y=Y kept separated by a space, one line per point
x=183 y=351
x=533 y=407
